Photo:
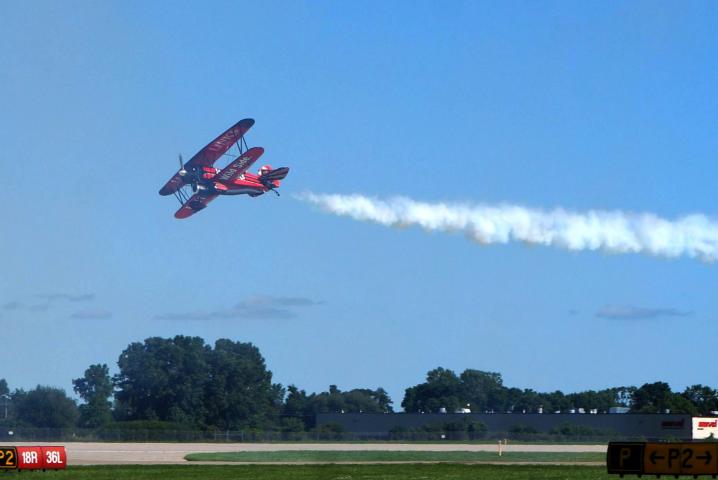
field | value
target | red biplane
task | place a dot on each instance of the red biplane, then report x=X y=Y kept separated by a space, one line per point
x=205 y=183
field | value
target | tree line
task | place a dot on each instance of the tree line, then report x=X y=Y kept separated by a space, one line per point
x=184 y=383
x=484 y=392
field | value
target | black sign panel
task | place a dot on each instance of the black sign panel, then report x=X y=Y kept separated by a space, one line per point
x=8 y=457
x=625 y=457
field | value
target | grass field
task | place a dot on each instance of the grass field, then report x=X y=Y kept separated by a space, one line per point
x=324 y=472
x=391 y=456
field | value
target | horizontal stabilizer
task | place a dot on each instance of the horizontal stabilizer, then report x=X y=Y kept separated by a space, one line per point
x=276 y=174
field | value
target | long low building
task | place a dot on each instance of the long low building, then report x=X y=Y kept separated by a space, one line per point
x=648 y=426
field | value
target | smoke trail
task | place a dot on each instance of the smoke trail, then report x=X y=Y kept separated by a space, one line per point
x=694 y=235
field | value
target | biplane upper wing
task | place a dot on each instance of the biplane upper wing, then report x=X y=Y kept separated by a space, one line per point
x=217 y=147
x=239 y=165
x=210 y=153
x=195 y=203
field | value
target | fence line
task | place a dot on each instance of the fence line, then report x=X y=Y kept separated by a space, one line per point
x=23 y=434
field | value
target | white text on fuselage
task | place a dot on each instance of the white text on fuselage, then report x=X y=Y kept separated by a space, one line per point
x=237 y=166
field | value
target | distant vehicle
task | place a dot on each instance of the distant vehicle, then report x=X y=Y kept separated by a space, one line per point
x=197 y=182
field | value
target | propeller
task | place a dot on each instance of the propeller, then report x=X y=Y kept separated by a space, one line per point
x=193 y=180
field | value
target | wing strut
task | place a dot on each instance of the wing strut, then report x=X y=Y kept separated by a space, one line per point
x=181 y=196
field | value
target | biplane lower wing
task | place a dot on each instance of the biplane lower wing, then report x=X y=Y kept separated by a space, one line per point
x=210 y=153
x=174 y=184
x=239 y=165
x=195 y=203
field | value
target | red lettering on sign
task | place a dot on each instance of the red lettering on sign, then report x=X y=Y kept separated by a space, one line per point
x=712 y=424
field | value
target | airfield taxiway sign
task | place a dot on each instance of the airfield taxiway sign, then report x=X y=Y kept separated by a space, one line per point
x=662 y=458
x=681 y=458
x=8 y=457
x=625 y=457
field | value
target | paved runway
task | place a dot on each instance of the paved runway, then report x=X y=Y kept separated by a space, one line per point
x=81 y=453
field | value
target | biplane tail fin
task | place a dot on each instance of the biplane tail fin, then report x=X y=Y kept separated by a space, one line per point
x=274 y=175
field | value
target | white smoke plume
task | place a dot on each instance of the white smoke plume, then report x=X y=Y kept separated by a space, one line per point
x=694 y=236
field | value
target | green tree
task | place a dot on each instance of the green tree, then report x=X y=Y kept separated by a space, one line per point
x=364 y=400
x=45 y=407
x=359 y=400
x=555 y=402
x=301 y=406
x=335 y=400
x=703 y=398
x=163 y=379
x=600 y=400
x=680 y=404
x=183 y=380
x=292 y=425
x=485 y=391
x=482 y=390
x=657 y=398
x=298 y=406
x=651 y=398
x=442 y=389
x=382 y=400
x=513 y=400
x=95 y=388
x=241 y=393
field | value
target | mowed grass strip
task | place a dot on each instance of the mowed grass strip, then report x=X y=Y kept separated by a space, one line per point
x=395 y=456
x=443 y=471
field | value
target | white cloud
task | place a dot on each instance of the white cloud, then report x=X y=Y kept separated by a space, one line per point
x=259 y=307
x=92 y=314
x=629 y=312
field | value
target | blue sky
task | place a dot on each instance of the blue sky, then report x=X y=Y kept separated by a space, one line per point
x=580 y=105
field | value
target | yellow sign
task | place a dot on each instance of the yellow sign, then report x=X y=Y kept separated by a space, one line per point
x=8 y=457
x=662 y=458
x=681 y=458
